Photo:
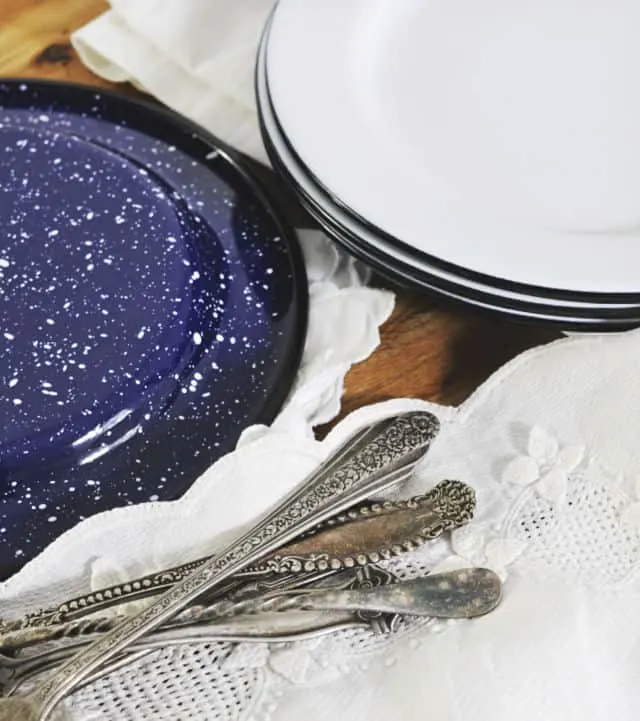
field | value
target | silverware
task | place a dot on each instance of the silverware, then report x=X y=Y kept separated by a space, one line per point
x=367 y=464
x=465 y=593
x=65 y=639
x=72 y=636
x=276 y=628
x=391 y=527
x=366 y=534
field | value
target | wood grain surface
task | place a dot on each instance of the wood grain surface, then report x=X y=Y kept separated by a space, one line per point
x=429 y=349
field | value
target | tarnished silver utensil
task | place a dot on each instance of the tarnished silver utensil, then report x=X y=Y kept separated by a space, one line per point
x=20 y=665
x=465 y=593
x=65 y=639
x=367 y=534
x=369 y=463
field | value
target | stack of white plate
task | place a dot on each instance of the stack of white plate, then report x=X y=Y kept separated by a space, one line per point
x=487 y=151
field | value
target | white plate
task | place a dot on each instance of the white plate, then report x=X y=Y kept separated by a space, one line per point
x=360 y=239
x=388 y=104
x=353 y=227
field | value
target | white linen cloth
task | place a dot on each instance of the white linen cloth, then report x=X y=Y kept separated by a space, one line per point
x=549 y=443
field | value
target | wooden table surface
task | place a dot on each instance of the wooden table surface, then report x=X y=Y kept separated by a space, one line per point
x=430 y=349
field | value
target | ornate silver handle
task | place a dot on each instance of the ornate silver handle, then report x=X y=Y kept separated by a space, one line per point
x=360 y=536
x=365 y=465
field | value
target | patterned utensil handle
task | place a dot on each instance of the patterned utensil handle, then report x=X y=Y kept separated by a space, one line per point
x=365 y=534
x=365 y=465
x=463 y=593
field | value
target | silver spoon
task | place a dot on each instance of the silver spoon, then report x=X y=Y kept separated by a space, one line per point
x=366 y=465
x=464 y=593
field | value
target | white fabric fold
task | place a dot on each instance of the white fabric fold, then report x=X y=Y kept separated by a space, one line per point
x=196 y=56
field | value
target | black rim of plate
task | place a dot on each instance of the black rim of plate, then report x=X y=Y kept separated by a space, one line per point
x=407 y=277
x=279 y=389
x=494 y=281
x=579 y=318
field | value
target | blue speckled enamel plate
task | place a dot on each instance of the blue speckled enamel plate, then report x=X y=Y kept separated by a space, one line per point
x=152 y=305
